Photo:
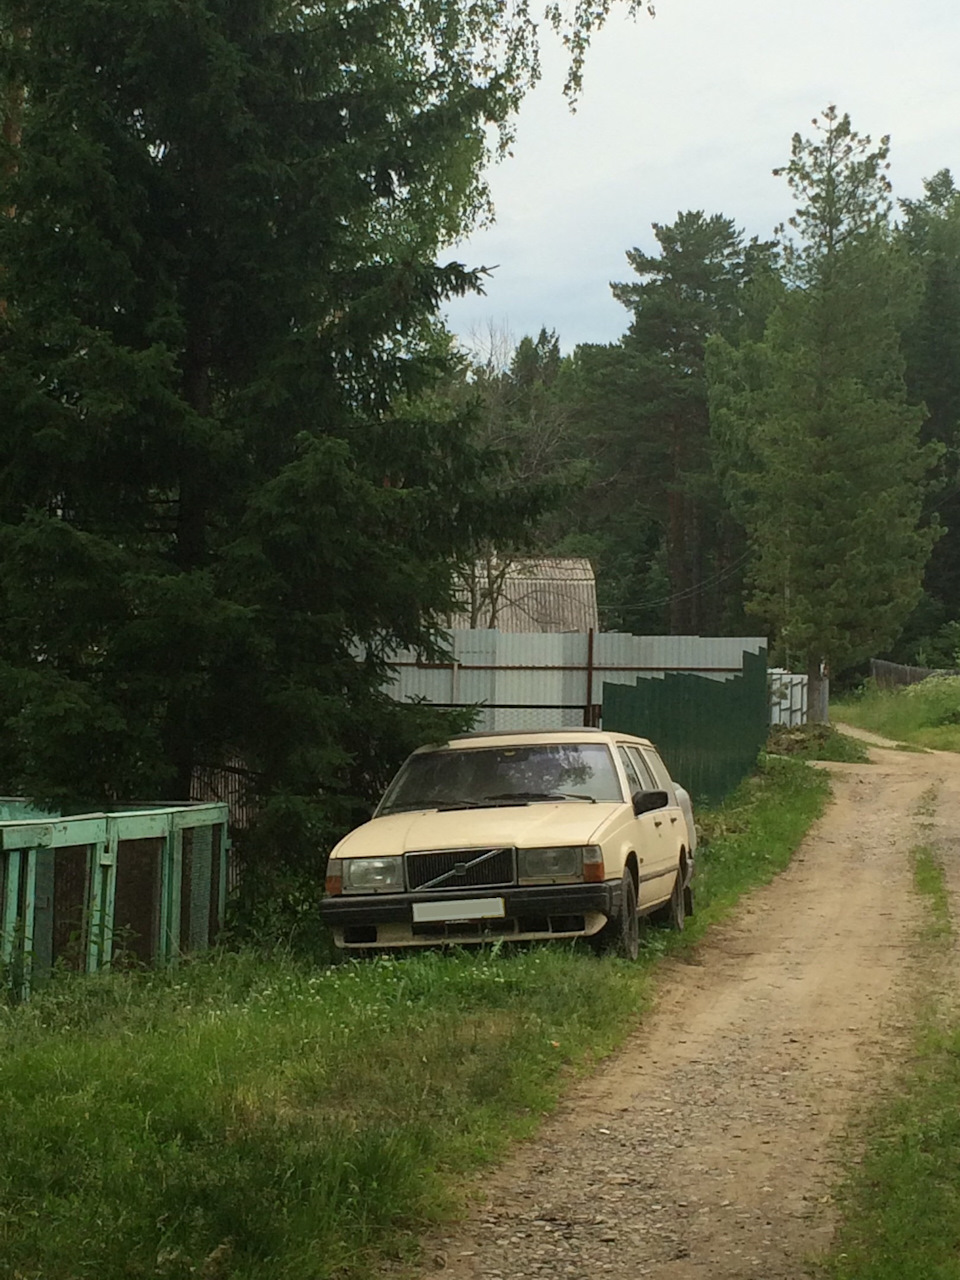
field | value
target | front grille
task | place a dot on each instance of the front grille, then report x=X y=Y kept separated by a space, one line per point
x=459 y=869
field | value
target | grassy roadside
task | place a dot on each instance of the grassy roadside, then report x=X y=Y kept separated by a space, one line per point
x=249 y=1117
x=817 y=742
x=922 y=715
x=900 y=1218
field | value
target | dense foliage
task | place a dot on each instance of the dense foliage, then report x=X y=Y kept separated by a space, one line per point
x=225 y=489
x=242 y=460
x=644 y=408
x=772 y=444
x=249 y=1117
x=824 y=446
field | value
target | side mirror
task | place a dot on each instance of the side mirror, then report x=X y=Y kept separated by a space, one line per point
x=647 y=801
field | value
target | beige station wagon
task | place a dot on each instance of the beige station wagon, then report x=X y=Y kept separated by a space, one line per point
x=562 y=834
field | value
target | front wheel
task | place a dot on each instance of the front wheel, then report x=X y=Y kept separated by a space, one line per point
x=620 y=936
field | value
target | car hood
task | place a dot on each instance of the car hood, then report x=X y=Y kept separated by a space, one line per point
x=527 y=826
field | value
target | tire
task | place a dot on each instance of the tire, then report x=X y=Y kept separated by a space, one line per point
x=620 y=936
x=677 y=910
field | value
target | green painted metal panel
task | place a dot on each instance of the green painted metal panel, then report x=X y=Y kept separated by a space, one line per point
x=708 y=731
x=11 y=905
x=96 y=920
x=26 y=930
x=109 y=864
x=62 y=834
x=31 y=835
x=139 y=826
x=200 y=815
x=170 y=890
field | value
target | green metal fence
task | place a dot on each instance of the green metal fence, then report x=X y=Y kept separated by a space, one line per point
x=148 y=882
x=708 y=731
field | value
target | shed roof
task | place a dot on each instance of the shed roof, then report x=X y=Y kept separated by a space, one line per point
x=531 y=594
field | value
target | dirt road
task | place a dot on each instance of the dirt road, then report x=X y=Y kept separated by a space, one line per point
x=708 y=1147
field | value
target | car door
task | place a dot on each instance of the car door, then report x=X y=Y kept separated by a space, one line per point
x=650 y=840
x=649 y=761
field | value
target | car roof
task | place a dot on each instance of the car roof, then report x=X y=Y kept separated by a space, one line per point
x=516 y=738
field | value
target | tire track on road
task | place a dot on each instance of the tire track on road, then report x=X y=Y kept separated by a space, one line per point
x=708 y=1146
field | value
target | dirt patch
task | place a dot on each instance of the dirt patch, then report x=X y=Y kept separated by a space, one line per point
x=708 y=1147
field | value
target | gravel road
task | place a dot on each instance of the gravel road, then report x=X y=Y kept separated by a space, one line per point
x=708 y=1147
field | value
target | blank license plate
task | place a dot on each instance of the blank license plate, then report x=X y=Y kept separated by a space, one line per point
x=459 y=909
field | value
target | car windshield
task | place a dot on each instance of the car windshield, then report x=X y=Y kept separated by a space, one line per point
x=477 y=777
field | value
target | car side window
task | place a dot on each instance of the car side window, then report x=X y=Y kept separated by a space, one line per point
x=659 y=770
x=634 y=782
x=643 y=770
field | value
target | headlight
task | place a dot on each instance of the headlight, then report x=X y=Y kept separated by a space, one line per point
x=372 y=875
x=564 y=862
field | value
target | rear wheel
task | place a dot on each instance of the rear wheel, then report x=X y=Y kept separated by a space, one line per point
x=677 y=911
x=620 y=936
x=688 y=900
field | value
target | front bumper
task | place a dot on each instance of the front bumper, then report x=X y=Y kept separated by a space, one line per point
x=530 y=912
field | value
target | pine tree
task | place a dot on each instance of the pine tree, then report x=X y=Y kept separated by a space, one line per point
x=645 y=407
x=827 y=464
x=930 y=238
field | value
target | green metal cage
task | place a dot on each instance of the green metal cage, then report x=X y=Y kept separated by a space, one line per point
x=146 y=884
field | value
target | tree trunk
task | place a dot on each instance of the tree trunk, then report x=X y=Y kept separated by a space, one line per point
x=676 y=566
x=818 y=692
x=10 y=132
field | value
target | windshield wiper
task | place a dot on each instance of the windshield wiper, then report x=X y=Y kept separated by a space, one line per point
x=541 y=795
x=445 y=806
x=406 y=808
x=488 y=802
x=502 y=800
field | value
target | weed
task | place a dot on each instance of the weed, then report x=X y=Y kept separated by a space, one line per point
x=817 y=742
x=248 y=1115
x=900 y=1204
x=928 y=882
x=922 y=715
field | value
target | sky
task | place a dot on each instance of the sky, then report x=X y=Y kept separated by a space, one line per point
x=693 y=109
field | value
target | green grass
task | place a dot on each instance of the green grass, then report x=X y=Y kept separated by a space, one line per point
x=747 y=840
x=921 y=715
x=902 y=1214
x=901 y=1205
x=928 y=882
x=817 y=742
x=247 y=1116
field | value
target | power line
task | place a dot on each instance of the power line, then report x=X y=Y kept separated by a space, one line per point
x=685 y=593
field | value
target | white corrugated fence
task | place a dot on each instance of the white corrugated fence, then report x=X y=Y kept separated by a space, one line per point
x=546 y=681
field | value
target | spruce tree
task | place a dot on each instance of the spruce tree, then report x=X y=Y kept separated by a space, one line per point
x=930 y=237
x=222 y=501
x=824 y=453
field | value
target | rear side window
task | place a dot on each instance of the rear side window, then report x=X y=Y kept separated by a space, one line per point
x=659 y=770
